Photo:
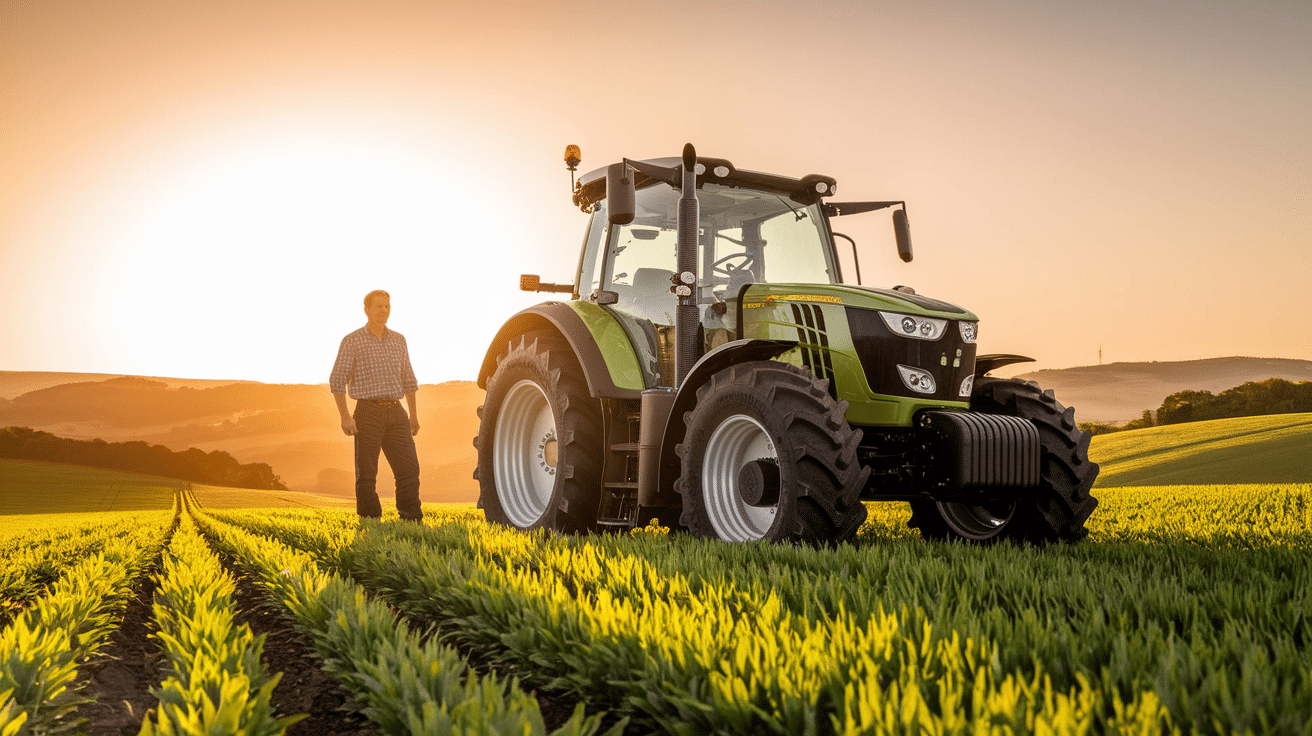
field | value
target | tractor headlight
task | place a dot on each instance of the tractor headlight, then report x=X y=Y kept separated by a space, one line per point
x=969 y=330
x=966 y=387
x=920 y=328
x=916 y=379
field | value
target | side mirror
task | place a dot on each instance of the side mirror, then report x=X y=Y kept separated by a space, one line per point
x=902 y=231
x=619 y=194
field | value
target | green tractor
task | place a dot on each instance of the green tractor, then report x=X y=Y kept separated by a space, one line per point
x=712 y=370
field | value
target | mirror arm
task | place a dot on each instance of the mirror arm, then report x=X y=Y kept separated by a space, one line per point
x=671 y=176
x=856 y=261
x=838 y=209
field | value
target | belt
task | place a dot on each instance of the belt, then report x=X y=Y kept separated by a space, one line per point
x=379 y=402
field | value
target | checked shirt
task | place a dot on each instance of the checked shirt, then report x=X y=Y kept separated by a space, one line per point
x=373 y=368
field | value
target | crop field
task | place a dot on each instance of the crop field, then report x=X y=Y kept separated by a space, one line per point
x=1265 y=449
x=1186 y=611
x=26 y=487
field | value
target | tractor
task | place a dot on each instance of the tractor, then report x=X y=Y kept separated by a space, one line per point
x=712 y=369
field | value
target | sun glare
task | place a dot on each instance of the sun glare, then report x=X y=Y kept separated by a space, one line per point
x=280 y=235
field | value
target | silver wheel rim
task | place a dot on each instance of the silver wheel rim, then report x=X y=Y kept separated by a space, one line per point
x=738 y=440
x=976 y=522
x=525 y=453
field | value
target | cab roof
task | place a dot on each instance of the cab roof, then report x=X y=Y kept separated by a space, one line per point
x=592 y=185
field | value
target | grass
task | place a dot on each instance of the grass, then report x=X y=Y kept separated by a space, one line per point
x=218 y=497
x=32 y=487
x=40 y=494
x=1267 y=449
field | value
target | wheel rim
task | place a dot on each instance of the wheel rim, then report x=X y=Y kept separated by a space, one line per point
x=737 y=441
x=524 y=453
x=977 y=522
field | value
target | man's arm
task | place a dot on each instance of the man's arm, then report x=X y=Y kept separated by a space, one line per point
x=414 y=413
x=409 y=387
x=348 y=422
x=339 y=379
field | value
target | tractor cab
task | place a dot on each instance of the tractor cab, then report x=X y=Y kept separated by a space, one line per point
x=753 y=228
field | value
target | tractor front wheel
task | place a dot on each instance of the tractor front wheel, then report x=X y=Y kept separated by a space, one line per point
x=769 y=455
x=539 y=440
x=1057 y=509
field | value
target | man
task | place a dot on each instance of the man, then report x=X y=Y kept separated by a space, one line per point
x=374 y=363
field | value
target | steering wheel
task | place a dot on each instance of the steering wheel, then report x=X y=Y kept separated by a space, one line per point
x=722 y=269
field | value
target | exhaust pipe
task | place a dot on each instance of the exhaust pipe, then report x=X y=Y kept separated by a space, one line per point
x=685 y=287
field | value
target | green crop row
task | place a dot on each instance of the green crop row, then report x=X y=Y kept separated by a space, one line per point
x=44 y=645
x=34 y=560
x=1216 y=636
x=410 y=683
x=714 y=658
x=1216 y=517
x=215 y=681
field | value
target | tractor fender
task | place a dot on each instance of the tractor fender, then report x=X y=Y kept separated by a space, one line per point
x=562 y=319
x=730 y=353
x=986 y=363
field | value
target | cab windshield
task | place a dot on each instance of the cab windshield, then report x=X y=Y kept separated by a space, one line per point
x=745 y=236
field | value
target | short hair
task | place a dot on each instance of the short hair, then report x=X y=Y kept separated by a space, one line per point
x=376 y=292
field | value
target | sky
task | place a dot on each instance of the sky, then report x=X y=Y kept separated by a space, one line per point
x=208 y=189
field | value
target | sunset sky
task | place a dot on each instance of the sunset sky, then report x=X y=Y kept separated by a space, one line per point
x=208 y=189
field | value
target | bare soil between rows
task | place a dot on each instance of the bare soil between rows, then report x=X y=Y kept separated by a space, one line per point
x=118 y=681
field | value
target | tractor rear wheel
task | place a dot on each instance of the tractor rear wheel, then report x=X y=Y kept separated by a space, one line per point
x=769 y=455
x=539 y=440
x=1057 y=509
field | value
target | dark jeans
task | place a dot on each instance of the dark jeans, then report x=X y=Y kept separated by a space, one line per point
x=385 y=428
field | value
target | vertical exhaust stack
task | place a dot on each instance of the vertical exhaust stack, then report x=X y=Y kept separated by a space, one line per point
x=685 y=287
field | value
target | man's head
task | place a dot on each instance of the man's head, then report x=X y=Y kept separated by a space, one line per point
x=378 y=305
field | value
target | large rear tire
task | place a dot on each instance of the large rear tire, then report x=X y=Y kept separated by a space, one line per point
x=1057 y=509
x=539 y=440
x=780 y=420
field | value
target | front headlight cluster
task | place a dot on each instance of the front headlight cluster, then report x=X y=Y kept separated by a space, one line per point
x=966 y=387
x=920 y=328
x=916 y=379
x=969 y=331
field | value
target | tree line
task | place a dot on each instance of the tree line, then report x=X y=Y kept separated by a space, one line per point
x=1255 y=398
x=215 y=468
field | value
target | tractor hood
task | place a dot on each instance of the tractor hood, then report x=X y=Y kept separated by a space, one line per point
x=859 y=297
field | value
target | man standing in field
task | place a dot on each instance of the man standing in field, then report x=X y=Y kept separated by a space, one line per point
x=374 y=363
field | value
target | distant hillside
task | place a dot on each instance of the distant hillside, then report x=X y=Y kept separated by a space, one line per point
x=217 y=467
x=1267 y=449
x=17 y=383
x=1122 y=391
x=39 y=488
x=293 y=428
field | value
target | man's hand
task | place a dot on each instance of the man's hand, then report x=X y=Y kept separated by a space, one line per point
x=348 y=423
x=414 y=414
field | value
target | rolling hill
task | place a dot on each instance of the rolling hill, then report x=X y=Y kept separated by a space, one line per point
x=1267 y=449
x=1119 y=392
x=36 y=488
x=294 y=428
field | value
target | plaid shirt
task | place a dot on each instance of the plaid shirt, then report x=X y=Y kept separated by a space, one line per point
x=373 y=368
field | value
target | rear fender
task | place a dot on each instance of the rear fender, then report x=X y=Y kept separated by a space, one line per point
x=596 y=339
x=730 y=353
